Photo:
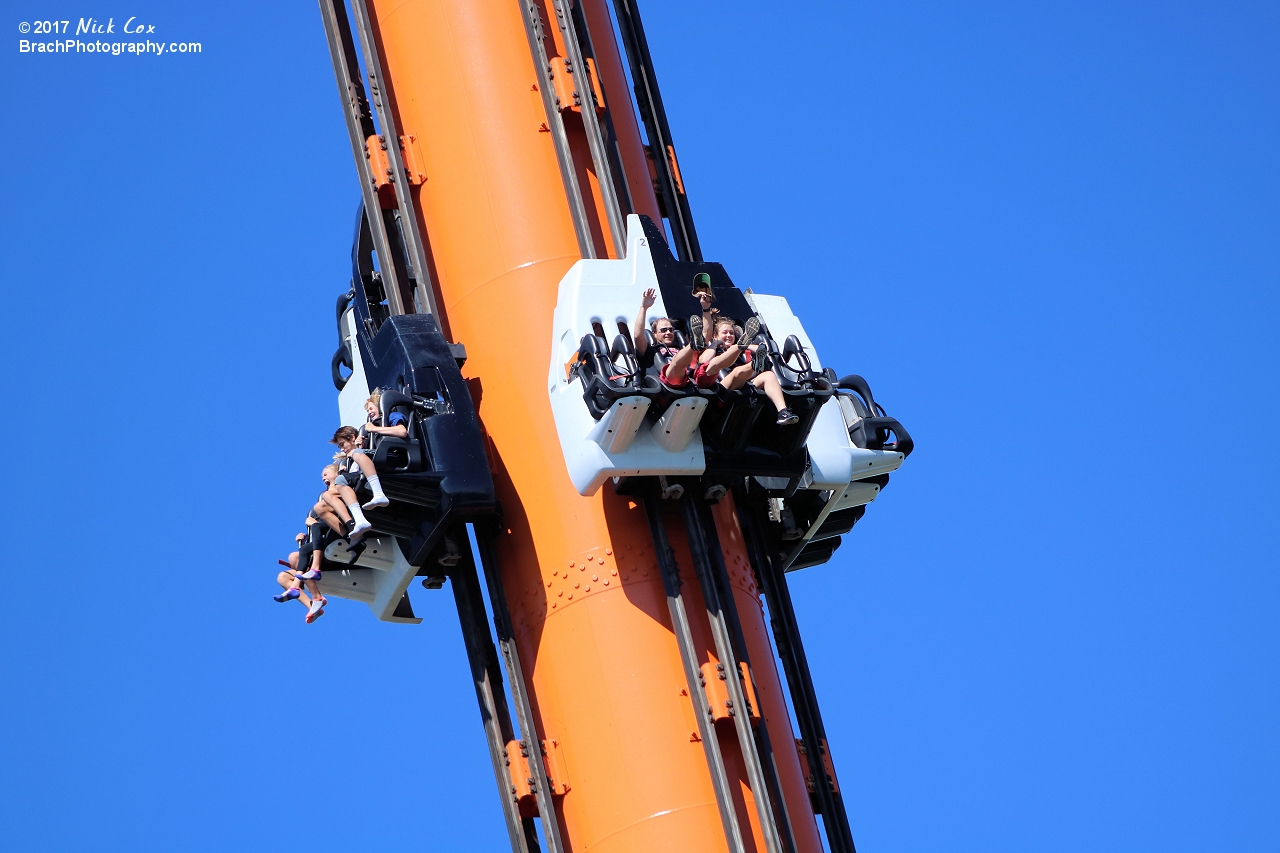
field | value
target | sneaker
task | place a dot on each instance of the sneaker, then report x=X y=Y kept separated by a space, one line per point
x=324 y=602
x=378 y=500
x=287 y=595
x=310 y=575
x=314 y=613
x=695 y=332
x=749 y=331
x=786 y=417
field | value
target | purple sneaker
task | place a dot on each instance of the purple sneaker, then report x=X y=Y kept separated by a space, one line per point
x=287 y=595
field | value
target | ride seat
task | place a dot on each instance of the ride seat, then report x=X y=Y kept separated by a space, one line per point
x=869 y=426
x=604 y=380
x=660 y=362
x=397 y=455
x=791 y=364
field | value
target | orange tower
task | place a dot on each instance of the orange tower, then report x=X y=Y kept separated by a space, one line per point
x=513 y=140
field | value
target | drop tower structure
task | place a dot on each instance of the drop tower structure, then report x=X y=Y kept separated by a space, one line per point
x=520 y=191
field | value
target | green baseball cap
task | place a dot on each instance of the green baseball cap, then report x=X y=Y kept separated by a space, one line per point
x=702 y=282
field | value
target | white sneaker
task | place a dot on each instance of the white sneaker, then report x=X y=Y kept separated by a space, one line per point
x=315 y=608
x=378 y=500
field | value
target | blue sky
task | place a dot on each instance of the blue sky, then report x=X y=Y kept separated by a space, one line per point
x=1049 y=238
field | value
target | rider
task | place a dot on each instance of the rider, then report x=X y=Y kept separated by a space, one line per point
x=675 y=372
x=702 y=326
x=728 y=351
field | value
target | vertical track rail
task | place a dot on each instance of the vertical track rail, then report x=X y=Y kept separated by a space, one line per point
x=622 y=188
x=590 y=121
x=413 y=242
x=786 y=634
x=490 y=695
x=654 y=116
x=360 y=126
x=727 y=635
x=524 y=709
x=689 y=657
x=555 y=122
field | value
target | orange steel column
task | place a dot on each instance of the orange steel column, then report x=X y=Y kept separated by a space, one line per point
x=579 y=573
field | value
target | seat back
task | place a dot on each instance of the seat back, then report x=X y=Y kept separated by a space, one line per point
x=622 y=355
x=392 y=454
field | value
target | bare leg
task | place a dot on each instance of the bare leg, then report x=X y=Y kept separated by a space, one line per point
x=350 y=508
x=723 y=360
x=323 y=512
x=289 y=580
x=768 y=383
x=337 y=506
x=366 y=464
x=679 y=364
x=737 y=377
x=346 y=493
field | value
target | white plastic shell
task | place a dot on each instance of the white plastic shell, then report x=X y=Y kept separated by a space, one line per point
x=604 y=292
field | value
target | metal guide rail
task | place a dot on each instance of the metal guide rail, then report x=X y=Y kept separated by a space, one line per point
x=675 y=203
x=726 y=631
x=570 y=86
x=536 y=755
x=486 y=674
x=380 y=163
x=689 y=658
x=786 y=634
x=555 y=122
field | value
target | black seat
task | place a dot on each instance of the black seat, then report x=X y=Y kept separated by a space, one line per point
x=872 y=428
x=667 y=394
x=609 y=374
x=437 y=477
x=391 y=454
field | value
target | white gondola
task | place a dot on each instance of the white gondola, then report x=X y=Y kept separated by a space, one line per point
x=623 y=443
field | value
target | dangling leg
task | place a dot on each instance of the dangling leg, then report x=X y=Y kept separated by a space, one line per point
x=737 y=377
x=331 y=505
x=348 y=497
x=371 y=474
x=289 y=584
x=768 y=383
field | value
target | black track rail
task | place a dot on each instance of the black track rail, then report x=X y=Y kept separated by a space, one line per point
x=693 y=678
x=654 y=116
x=555 y=123
x=486 y=674
x=726 y=632
x=411 y=241
x=591 y=124
x=519 y=692
x=786 y=635
x=360 y=126
x=399 y=246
